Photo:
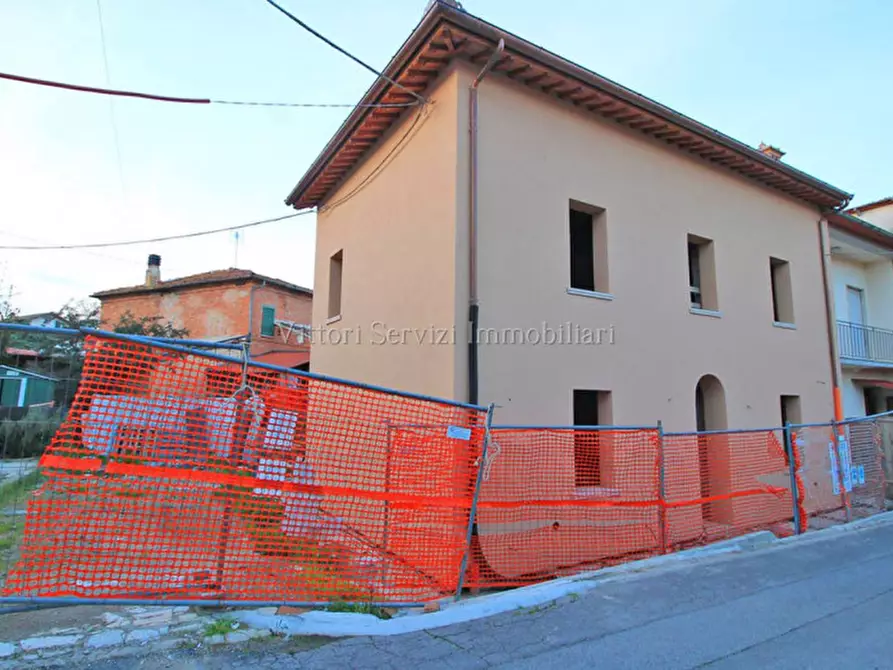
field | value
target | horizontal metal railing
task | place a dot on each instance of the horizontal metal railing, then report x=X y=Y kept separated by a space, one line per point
x=864 y=343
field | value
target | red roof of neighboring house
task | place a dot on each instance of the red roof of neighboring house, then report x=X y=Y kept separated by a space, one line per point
x=868 y=206
x=229 y=276
x=285 y=359
x=15 y=351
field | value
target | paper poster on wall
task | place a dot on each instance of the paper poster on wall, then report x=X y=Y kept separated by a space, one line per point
x=846 y=465
x=835 y=475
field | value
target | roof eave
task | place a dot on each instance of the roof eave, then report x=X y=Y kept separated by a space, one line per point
x=143 y=290
x=373 y=94
x=824 y=195
x=861 y=228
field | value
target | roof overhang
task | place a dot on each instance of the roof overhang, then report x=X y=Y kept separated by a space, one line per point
x=446 y=34
x=868 y=206
x=861 y=229
x=882 y=383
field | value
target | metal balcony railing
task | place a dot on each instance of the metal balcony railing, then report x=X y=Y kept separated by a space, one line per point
x=864 y=343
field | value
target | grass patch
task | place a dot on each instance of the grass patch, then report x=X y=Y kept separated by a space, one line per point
x=220 y=626
x=358 y=608
x=14 y=494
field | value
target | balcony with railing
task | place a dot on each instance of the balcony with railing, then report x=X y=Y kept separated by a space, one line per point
x=856 y=342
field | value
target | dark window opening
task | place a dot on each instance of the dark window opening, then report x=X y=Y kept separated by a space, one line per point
x=336 y=268
x=782 y=298
x=588 y=248
x=582 y=251
x=591 y=408
x=701 y=274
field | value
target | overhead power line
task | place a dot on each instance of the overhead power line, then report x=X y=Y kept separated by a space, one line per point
x=126 y=243
x=345 y=52
x=191 y=101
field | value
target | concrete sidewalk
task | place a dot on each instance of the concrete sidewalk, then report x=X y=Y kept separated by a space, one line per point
x=819 y=602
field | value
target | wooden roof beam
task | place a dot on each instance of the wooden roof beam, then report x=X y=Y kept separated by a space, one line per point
x=535 y=79
x=518 y=70
x=628 y=116
x=583 y=99
x=607 y=107
x=566 y=94
x=503 y=62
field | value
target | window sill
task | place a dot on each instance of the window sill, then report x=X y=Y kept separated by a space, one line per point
x=333 y=319
x=705 y=312
x=590 y=294
x=785 y=325
x=595 y=492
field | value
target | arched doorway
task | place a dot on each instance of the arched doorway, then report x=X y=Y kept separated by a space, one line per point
x=710 y=414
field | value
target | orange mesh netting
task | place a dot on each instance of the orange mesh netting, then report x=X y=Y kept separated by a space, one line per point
x=824 y=502
x=559 y=500
x=721 y=485
x=169 y=478
x=846 y=480
x=556 y=501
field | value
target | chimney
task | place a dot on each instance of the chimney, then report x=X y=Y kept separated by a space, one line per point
x=153 y=271
x=452 y=3
x=773 y=152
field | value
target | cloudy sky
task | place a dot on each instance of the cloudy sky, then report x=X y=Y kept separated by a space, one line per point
x=810 y=76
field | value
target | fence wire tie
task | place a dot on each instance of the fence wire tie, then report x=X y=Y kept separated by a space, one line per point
x=245 y=386
x=492 y=452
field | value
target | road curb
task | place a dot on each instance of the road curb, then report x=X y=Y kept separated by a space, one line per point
x=343 y=624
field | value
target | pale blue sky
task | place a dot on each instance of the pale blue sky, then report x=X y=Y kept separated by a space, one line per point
x=811 y=76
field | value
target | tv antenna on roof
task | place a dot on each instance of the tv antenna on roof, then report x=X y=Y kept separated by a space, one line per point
x=237 y=236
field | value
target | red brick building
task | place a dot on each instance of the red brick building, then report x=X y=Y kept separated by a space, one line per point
x=222 y=305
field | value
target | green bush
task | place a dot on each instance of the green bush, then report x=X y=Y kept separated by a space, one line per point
x=28 y=436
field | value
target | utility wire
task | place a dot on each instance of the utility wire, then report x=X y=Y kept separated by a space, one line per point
x=183 y=236
x=193 y=101
x=314 y=104
x=345 y=52
x=114 y=122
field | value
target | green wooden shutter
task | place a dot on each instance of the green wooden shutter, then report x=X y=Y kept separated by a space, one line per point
x=268 y=321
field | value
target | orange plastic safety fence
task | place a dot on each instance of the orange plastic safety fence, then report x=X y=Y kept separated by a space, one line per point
x=171 y=478
x=824 y=499
x=721 y=485
x=842 y=471
x=868 y=482
x=555 y=501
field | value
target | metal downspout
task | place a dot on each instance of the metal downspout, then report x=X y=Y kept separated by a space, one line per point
x=831 y=318
x=473 y=307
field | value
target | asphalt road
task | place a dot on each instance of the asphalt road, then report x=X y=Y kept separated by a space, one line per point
x=814 y=603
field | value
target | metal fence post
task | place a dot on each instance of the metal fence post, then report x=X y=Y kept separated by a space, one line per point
x=844 y=494
x=474 y=501
x=385 y=536
x=792 y=468
x=662 y=492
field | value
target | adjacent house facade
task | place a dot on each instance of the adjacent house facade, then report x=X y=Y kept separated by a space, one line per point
x=618 y=262
x=222 y=305
x=862 y=264
x=42 y=319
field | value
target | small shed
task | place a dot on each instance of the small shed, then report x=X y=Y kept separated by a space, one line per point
x=23 y=388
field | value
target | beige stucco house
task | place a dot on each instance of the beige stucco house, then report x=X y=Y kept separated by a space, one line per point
x=624 y=263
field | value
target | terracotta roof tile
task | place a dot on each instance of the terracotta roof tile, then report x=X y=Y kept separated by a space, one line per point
x=228 y=276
